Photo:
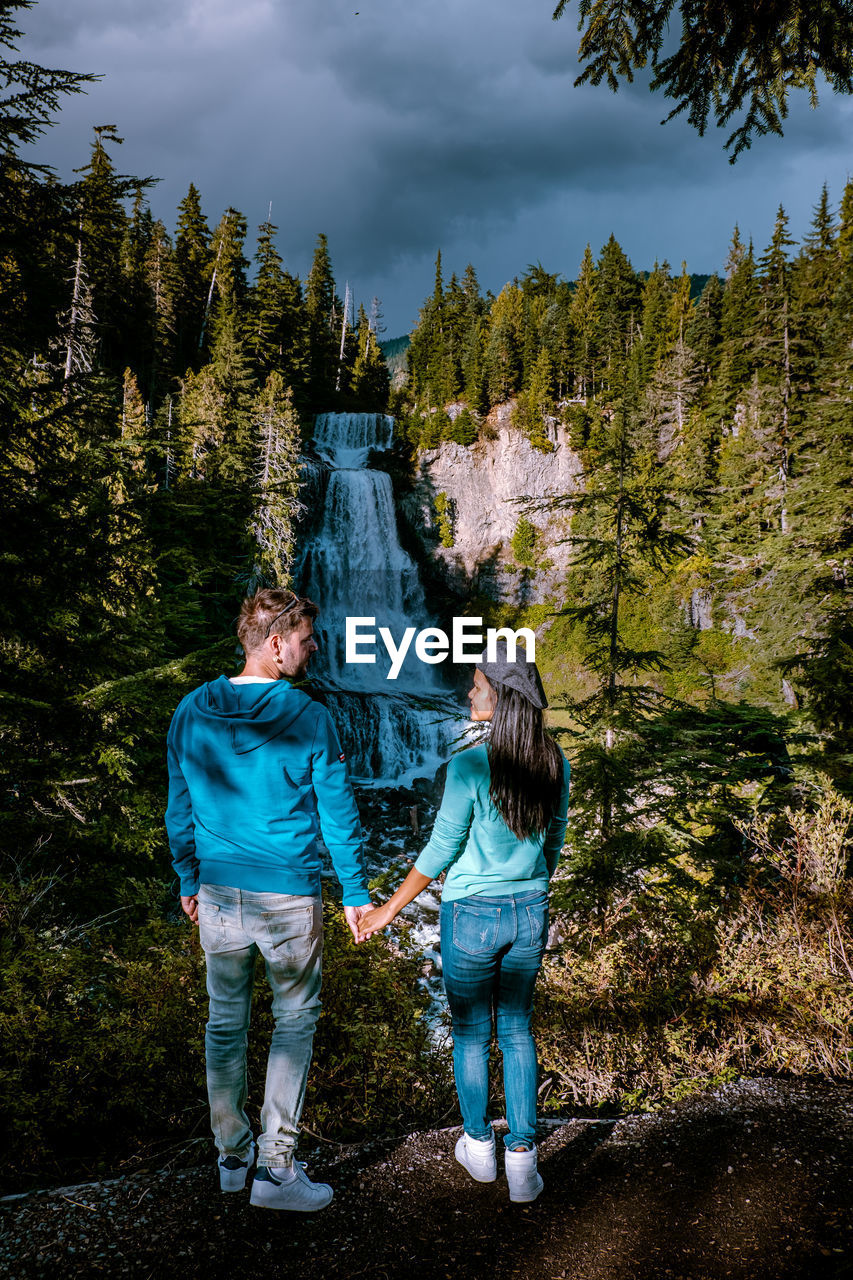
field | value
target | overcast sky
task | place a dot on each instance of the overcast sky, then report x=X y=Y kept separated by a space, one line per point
x=398 y=127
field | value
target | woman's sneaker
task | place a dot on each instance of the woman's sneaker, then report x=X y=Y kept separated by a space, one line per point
x=522 y=1175
x=290 y=1189
x=233 y=1170
x=477 y=1155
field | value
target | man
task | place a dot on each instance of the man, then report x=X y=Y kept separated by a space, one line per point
x=255 y=773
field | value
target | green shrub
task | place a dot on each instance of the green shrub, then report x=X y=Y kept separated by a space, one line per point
x=103 y=1028
x=464 y=429
x=524 y=542
x=444 y=510
x=660 y=997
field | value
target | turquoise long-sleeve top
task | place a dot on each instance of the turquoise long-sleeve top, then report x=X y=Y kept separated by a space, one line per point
x=471 y=838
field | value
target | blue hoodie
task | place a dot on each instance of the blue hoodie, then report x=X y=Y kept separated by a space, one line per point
x=256 y=773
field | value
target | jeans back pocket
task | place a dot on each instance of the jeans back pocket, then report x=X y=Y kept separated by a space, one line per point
x=475 y=929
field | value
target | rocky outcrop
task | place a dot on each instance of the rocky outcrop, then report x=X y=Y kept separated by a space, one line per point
x=484 y=483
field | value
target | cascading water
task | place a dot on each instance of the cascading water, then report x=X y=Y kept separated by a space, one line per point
x=354 y=566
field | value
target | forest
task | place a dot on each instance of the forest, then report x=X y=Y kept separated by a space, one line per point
x=157 y=389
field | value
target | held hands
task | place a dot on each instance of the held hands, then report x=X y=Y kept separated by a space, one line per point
x=375 y=920
x=354 y=917
x=371 y=919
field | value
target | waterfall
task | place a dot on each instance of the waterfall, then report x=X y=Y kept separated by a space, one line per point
x=354 y=566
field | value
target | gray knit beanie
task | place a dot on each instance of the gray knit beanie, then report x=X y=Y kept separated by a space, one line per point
x=520 y=675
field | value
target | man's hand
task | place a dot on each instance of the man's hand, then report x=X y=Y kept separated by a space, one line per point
x=190 y=906
x=353 y=918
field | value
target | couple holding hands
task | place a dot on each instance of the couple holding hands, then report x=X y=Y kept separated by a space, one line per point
x=256 y=772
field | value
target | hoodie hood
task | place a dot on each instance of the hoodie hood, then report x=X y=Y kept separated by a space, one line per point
x=249 y=714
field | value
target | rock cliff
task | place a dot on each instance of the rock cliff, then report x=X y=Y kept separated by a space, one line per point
x=483 y=484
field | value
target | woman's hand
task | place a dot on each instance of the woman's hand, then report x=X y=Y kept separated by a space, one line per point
x=373 y=921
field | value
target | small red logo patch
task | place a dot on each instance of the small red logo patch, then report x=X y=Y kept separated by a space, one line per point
x=342 y=757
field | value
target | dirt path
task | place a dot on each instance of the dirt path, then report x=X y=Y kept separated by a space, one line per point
x=752 y=1181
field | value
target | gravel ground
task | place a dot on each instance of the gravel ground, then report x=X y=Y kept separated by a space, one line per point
x=752 y=1181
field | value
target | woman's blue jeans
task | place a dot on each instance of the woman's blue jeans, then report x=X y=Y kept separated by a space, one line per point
x=491 y=952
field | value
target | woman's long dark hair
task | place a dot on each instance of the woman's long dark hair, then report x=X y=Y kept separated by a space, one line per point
x=526 y=765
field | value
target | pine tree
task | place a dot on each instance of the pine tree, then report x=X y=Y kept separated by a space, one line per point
x=193 y=268
x=371 y=381
x=267 y=305
x=738 y=321
x=103 y=225
x=618 y=302
x=536 y=404
x=505 y=344
x=216 y=410
x=161 y=284
x=670 y=395
x=463 y=429
x=703 y=330
x=583 y=316
x=277 y=502
x=814 y=278
x=622 y=534
x=657 y=300
x=75 y=342
x=323 y=311
x=136 y=334
x=231 y=265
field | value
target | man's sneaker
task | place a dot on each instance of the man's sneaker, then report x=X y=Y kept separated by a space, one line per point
x=522 y=1175
x=477 y=1155
x=290 y=1189
x=233 y=1170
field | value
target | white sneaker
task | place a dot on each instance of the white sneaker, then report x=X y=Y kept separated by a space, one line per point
x=233 y=1170
x=290 y=1189
x=522 y=1176
x=477 y=1155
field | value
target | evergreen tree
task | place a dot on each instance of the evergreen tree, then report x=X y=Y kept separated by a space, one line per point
x=103 y=225
x=536 y=404
x=217 y=406
x=622 y=534
x=371 y=381
x=657 y=300
x=161 y=284
x=738 y=321
x=583 y=316
x=726 y=59
x=618 y=297
x=230 y=263
x=815 y=275
x=193 y=269
x=463 y=429
x=671 y=393
x=323 y=310
x=136 y=336
x=267 y=305
x=75 y=342
x=505 y=345
x=703 y=330
x=277 y=502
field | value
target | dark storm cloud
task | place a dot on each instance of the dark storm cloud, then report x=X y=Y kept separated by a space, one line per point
x=411 y=127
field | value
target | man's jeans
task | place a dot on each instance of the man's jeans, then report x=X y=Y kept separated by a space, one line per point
x=491 y=952
x=234 y=926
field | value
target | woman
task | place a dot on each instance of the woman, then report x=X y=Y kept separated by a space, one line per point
x=500 y=830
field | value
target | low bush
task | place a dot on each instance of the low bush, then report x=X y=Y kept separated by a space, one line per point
x=103 y=1026
x=649 y=1002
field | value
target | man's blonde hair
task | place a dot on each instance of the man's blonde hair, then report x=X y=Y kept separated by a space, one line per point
x=271 y=612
